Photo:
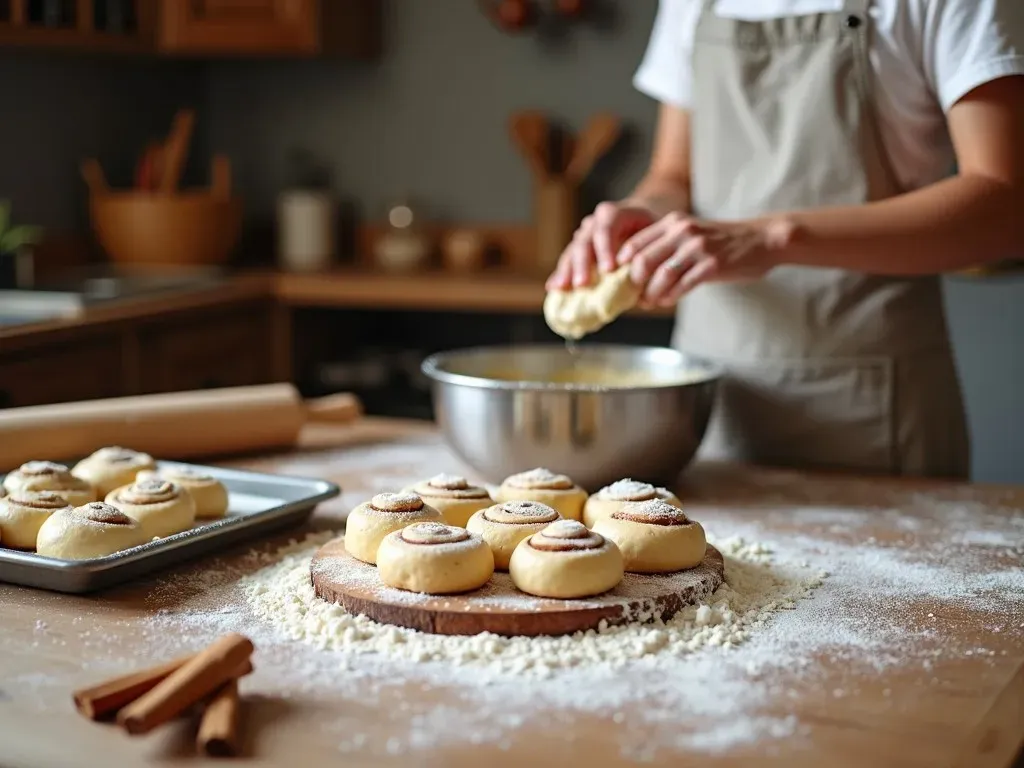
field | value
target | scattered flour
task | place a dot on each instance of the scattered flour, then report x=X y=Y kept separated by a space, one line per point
x=715 y=679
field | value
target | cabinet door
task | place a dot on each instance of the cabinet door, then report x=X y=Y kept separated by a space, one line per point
x=230 y=349
x=239 y=26
x=88 y=369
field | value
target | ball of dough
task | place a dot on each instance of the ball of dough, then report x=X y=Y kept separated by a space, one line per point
x=112 y=467
x=566 y=560
x=654 y=537
x=504 y=525
x=23 y=513
x=208 y=493
x=453 y=497
x=371 y=521
x=575 y=313
x=47 y=476
x=544 y=486
x=435 y=559
x=92 y=530
x=610 y=499
x=161 y=507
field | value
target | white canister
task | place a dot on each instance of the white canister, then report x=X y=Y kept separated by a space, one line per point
x=305 y=230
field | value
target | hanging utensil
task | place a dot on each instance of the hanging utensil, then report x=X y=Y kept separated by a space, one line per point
x=593 y=143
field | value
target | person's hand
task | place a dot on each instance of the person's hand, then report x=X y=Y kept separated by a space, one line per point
x=596 y=243
x=678 y=253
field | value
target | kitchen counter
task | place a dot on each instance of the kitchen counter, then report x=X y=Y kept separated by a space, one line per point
x=910 y=653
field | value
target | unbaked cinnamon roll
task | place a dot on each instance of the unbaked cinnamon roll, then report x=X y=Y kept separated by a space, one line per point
x=453 y=497
x=112 y=467
x=504 y=525
x=23 y=513
x=161 y=507
x=611 y=498
x=566 y=560
x=654 y=537
x=48 y=476
x=92 y=530
x=542 y=485
x=435 y=559
x=371 y=521
x=208 y=493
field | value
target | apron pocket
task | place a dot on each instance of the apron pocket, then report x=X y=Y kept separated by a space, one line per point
x=831 y=414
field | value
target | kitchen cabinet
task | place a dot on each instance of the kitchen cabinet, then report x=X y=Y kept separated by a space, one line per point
x=194 y=28
x=86 y=369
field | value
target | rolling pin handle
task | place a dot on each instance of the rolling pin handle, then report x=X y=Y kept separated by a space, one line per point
x=341 y=408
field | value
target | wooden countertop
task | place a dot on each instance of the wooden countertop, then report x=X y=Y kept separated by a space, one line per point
x=956 y=707
x=491 y=291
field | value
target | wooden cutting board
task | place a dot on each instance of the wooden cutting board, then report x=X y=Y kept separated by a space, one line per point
x=499 y=607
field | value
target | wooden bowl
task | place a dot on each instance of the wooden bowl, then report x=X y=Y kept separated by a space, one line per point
x=190 y=228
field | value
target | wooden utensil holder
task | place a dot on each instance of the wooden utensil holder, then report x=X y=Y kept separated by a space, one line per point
x=555 y=216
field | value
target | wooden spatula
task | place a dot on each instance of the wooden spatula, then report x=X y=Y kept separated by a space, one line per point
x=596 y=139
x=530 y=131
x=176 y=150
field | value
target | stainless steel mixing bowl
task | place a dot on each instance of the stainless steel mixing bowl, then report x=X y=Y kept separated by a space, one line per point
x=594 y=434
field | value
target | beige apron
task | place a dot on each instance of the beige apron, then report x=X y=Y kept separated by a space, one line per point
x=825 y=368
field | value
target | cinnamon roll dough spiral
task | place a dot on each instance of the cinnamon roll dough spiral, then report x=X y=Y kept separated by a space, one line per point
x=48 y=476
x=504 y=525
x=434 y=559
x=566 y=560
x=546 y=487
x=23 y=513
x=371 y=521
x=92 y=530
x=610 y=499
x=162 y=508
x=654 y=537
x=112 y=467
x=453 y=497
x=208 y=493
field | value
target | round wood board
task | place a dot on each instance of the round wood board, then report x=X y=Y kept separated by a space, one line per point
x=499 y=607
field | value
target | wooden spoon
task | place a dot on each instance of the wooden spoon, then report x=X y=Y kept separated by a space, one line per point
x=530 y=133
x=597 y=138
x=176 y=150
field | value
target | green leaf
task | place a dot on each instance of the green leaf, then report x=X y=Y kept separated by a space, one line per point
x=16 y=238
x=5 y=216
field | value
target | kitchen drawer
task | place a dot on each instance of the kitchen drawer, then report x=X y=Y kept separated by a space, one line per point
x=83 y=370
x=217 y=350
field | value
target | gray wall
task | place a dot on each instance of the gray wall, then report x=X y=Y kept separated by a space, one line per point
x=58 y=109
x=429 y=118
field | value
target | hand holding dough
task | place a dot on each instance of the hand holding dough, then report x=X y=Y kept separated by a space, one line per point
x=573 y=314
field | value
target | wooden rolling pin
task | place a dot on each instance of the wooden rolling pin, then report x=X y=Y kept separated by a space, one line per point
x=181 y=425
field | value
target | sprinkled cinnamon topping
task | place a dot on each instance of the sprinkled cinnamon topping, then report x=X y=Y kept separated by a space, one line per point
x=653 y=512
x=396 y=502
x=151 y=490
x=433 y=533
x=42 y=469
x=566 y=536
x=540 y=479
x=628 y=490
x=520 y=513
x=38 y=499
x=99 y=512
x=450 y=487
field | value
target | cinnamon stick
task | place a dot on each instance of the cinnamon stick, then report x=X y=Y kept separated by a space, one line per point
x=101 y=700
x=218 y=729
x=201 y=675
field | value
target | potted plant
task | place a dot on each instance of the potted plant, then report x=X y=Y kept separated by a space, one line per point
x=15 y=239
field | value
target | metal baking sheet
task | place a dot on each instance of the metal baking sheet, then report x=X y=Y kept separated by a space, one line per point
x=257 y=504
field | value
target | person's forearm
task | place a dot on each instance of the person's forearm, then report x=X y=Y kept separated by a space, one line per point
x=661 y=195
x=958 y=223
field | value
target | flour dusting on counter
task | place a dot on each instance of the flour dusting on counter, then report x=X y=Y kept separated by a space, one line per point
x=715 y=679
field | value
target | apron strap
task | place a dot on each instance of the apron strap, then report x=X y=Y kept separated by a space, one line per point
x=856 y=6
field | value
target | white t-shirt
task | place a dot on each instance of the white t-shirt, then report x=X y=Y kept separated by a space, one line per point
x=926 y=55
